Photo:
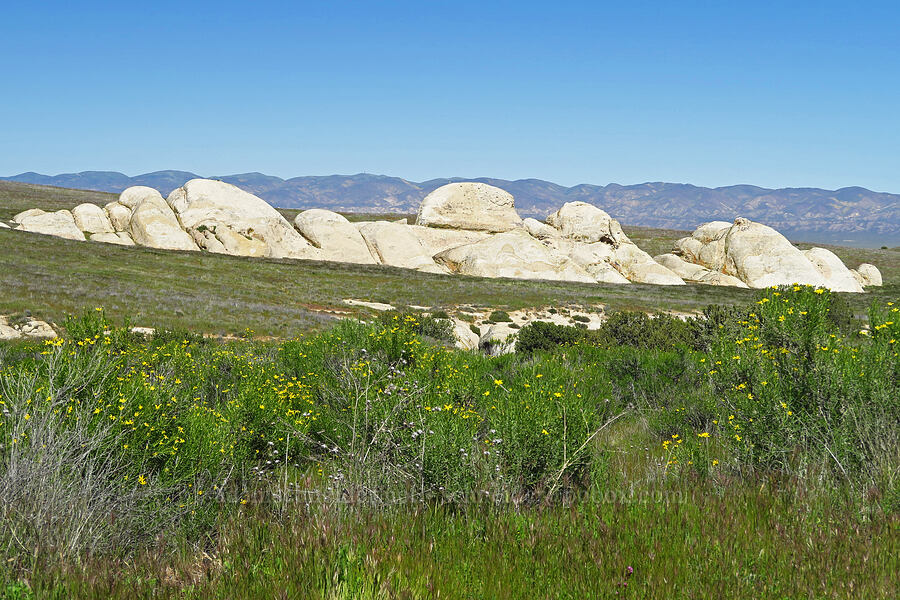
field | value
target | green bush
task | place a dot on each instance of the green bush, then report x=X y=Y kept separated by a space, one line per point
x=541 y=335
x=499 y=316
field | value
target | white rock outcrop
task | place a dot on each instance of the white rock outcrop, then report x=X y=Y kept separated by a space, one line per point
x=131 y=197
x=759 y=256
x=119 y=216
x=469 y=205
x=837 y=276
x=334 y=235
x=437 y=240
x=59 y=224
x=90 y=218
x=154 y=224
x=394 y=244
x=27 y=214
x=512 y=254
x=867 y=275
x=586 y=223
x=539 y=230
x=697 y=273
x=467 y=228
x=224 y=218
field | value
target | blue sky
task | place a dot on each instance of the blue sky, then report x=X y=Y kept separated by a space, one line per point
x=711 y=93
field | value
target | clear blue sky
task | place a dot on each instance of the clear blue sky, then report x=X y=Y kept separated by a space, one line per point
x=711 y=93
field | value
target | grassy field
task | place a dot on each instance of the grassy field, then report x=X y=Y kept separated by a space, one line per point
x=52 y=277
x=659 y=459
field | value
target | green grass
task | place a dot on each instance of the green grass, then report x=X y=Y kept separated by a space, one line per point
x=221 y=294
x=751 y=541
x=365 y=462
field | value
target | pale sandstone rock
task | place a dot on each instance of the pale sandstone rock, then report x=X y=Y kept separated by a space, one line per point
x=639 y=267
x=837 y=276
x=466 y=339
x=437 y=240
x=539 y=230
x=870 y=275
x=512 y=254
x=27 y=214
x=697 y=273
x=381 y=306
x=154 y=224
x=585 y=222
x=753 y=253
x=38 y=330
x=469 y=205
x=131 y=197
x=90 y=218
x=110 y=238
x=119 y=215
x=8 y=332
x=334 y=235
x=242 y=223
x=761 y=257
x=394 y=244
x=596 y=259
x=59 y=224
x=500 y=338
x=689 y=249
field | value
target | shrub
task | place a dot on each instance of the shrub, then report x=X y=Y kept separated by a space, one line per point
x=499 y=316
x=796 y=393
x=427 y=325
x=541 y=335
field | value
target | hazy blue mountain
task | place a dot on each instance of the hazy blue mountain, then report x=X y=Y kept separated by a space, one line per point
x=851 y=214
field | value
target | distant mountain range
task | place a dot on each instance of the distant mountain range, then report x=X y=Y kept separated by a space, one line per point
x=851 y=215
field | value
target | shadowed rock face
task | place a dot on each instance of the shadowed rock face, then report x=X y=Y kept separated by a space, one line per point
x=465 y=228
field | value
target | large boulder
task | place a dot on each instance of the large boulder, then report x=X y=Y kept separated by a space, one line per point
x=465 y=338
x=153 y=224
x=223 y=216
x=596 y=258
x=27 y=214
x=512 y=254
x=867 y=275
x=394 y=244
x=539 y=230
x=585 y=222
x=60 y=224
x=334 y=235
x=639 y=267
x=696 y=273
x=469 y=205
x=90 y=218
x=500 y=338
x=131 y=197
x=437 y=240
x=119 y=215
x=837 y=276
x=754 y=253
